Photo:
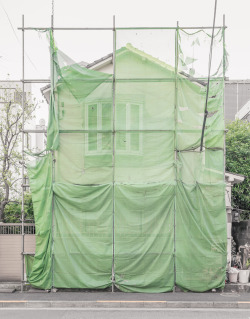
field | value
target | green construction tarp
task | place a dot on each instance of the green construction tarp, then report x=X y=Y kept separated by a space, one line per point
x=124 y=195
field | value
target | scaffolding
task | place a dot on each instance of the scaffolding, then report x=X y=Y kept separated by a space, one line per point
x=112 y=29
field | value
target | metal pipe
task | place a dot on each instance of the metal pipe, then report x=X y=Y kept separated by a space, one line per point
x=237 y=96
x=23 y=181
x=113 y=189
x=184 y=78
x=35 y=131
x=208 y=80
x=26 y=81
x=66 y=29
x=126 y=79
x=107 y=131
x=224 y=75
x=10 y=81
x=36 y=81
x=168 y=28
x=175 y=142
x=112 y=29
x=53 y=152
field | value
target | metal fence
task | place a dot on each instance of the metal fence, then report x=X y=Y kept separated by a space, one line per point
x=16 y=229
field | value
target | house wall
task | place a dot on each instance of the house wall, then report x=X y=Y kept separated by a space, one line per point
x=10 y=255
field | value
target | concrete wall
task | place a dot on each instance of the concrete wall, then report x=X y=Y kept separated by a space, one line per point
x=10 y=255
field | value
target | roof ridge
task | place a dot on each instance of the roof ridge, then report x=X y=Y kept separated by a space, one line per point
x=150 y=57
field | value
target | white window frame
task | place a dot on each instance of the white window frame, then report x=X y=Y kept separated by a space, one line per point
x=128 y=150
x=99 y=149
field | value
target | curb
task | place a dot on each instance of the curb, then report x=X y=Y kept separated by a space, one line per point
x=230 y=287
x=123 y=304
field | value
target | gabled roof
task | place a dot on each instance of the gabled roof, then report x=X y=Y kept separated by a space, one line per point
x=142 y=54
x=146 y=56
x=108 y=59
x=103 y=59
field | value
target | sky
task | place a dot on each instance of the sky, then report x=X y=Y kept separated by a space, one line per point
x=91 y=45
x=97 y=13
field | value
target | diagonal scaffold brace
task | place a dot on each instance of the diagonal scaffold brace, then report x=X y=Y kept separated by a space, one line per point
x=208 y=79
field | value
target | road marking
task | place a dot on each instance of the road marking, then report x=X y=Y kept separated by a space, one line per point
x=237 y=310
x=124 y=301
x=13 y=300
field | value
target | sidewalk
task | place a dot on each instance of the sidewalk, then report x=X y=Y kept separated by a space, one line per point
x=34 y=299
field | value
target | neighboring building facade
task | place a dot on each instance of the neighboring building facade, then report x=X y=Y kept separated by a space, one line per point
x=237 y=95
x=244 y=112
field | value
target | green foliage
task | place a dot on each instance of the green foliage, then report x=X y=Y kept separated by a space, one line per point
x=12 y=212
x=248 y=263
x=238 y=161
x=11 y=116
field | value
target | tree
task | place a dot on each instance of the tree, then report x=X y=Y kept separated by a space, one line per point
x=10 y=142
x=238 y=161
x=12 y=211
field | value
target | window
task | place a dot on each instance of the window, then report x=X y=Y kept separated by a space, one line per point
x=129 y=118
x=98 y=116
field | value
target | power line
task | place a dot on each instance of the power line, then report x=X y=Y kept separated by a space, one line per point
x=13 y=29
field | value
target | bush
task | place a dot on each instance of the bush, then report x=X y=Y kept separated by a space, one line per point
x=238 y=161
x=12 y=212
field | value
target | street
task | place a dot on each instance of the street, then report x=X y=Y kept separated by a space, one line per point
x=103 y=313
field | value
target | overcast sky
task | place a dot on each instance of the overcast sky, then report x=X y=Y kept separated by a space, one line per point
x=89 y=45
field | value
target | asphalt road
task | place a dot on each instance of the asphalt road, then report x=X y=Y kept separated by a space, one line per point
x=103 y=313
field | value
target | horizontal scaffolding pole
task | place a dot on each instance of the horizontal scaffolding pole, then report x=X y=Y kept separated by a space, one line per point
x=168 y=28
x=10 y=81
x=36 y=81
x=124 y=80
x=34 y=131
x=184 y=78
x=112 y=29
x=116 y=131
x=65 y=29
x=27 y=81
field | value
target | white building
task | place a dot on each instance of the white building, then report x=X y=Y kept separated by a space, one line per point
x=244 y=112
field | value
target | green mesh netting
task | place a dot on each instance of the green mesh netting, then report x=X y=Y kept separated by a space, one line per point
x=131 y=199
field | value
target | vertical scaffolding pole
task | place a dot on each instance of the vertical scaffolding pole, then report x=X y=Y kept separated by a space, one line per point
x=52 y=83
x=237 y=88
x=224 y=75
x=175 y=141
x=23 y=102
x=113 y=190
